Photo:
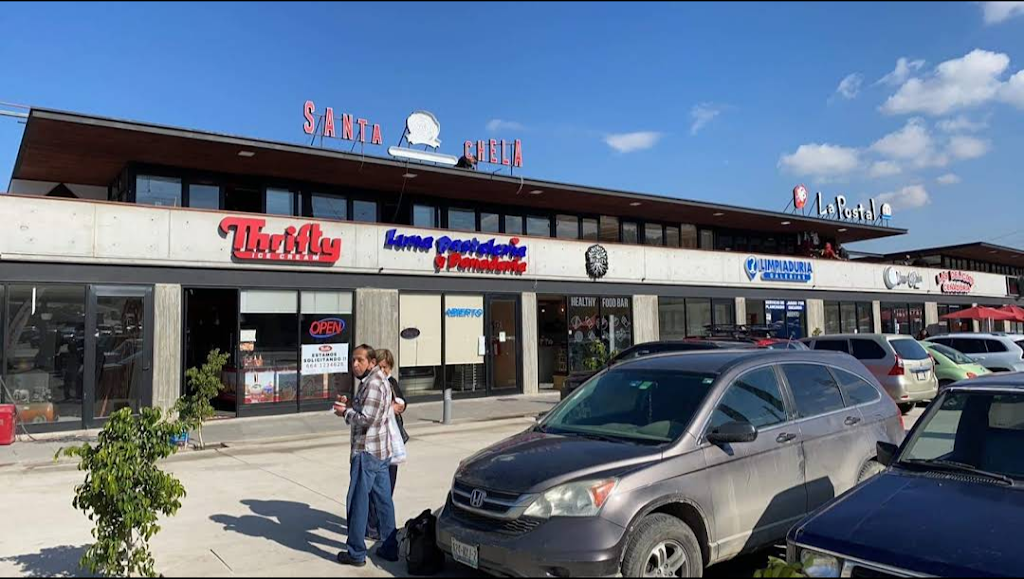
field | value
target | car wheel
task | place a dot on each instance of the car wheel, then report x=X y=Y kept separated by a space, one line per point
x=906 y=408
x=872 y=469
x=662 y=546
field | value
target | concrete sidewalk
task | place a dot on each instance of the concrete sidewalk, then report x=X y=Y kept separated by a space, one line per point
x=275 y=509
x=237 y=432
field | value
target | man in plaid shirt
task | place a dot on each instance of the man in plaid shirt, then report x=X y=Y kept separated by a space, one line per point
x=369 y=415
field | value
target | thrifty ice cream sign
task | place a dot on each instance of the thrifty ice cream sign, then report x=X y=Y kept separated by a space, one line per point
x=464 y=255
x=304 y=244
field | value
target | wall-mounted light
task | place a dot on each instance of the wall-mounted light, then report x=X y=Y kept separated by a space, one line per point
x=635 y=204
x=717 y=214
x=787 y=223
x=842 y=230
x=536 y=192
x=247 y=154
x=410 y=176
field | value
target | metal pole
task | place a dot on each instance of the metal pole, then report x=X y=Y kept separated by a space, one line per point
x=446 y=416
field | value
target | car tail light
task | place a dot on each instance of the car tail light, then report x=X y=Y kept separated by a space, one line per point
x=971 y=375
x=898 y=369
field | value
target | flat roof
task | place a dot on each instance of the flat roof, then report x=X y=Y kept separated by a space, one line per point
x=75 y=148
x=978 y=251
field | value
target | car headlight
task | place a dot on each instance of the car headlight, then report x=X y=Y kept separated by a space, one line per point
x=578 y=499
x=820 y=565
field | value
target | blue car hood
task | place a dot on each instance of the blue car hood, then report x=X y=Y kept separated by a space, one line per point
x=924 y=525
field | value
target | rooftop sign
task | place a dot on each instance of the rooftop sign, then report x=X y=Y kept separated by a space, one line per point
x=839 y=208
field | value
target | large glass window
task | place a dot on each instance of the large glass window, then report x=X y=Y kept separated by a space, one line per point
x=419 y=352
x=329 y=207
x=280 y=202
x=865 y=318
x=756 y=312
x=204 y=196
x=609 y=229
x=698 y=316
x=616 y=324
x=754 y=398
x=833 y=319
x=45 y=347
x=707 y=239
x=538 y=226
x=567 y=227
x=327 y=332
x=954 y=326
x=269 y=344
x=490 y=222
x=590 y=229
x=597 y=324
x=514 y=225
x=688 y=236
x=849 y=318
x=848 y=311
x=424 y=216
x=464 y=363
x=671 y=236
x=814 y=391
x=724 y=312
x=364 y=211
x=901 y=318
x=162 y=191
x=630 y=233
x=462 y=219
x=672 y=318
x=654 y=234
x=120 y=352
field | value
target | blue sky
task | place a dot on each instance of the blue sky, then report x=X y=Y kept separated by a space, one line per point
x=734 y=103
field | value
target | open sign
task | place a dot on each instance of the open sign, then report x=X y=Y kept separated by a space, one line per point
x=326 y=328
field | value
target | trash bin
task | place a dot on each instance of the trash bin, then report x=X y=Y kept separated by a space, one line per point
x=8 y=414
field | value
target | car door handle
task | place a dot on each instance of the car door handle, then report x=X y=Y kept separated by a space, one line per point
x=852 y=421
x=784 y=438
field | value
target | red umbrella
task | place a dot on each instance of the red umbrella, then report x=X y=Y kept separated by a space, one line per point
x=1016 y=311
x=982 y=313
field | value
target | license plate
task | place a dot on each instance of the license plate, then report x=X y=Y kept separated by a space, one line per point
x=468 y=555
x=922 y=376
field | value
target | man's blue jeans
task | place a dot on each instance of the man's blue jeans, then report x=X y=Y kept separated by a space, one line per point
x=370 y=481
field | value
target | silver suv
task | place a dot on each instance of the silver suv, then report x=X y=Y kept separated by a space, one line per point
x=663 y=465
x=997 y=352
x=899 y=362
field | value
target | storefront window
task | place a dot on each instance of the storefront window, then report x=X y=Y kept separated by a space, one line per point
x=567 y=227
x=672 y=318
x=849 y=318
x=849 y=315
x=654 y=234
x=590 y=230
x=424 y=216
x=616 y=324
x=954 y=326
x=609 y=229
x=280 y=202
x=161 y=191
x=490 y=222
x=865 y=318
x=269 y=346
x=724 y=312
x=364 y=211
x=329 y=207
x=419 y=353
x=204 y=196
x=900 y=318
x=326 y=335
x=463 y=334
x=45 y=348
x=462 y=219
x=698 y=317
x=514 y=225
x=538 y=226
x=597 y=324
x=755 y=312
x=630 y=233
x=788 y=318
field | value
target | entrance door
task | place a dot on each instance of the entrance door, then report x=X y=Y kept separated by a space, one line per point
x=503 y=343
x=119 y=351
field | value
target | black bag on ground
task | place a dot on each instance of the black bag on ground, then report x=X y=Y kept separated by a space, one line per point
x=424 y=557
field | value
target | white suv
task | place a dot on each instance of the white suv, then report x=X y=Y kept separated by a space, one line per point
x=997 y=352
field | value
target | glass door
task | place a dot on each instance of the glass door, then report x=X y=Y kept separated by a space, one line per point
x=119 y=351
x=503 y=343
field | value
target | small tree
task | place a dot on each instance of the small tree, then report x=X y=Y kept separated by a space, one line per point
x=597 y=355
x=124 y=491
x=204 y=385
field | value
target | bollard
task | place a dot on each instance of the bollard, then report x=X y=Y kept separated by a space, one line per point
x=446 y=416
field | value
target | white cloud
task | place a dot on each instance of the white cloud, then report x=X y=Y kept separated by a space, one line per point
x=849 y=87
x=1013 y=91
x=884 y=169
x=948 y=179
x=496 y=125
x=913 y=143
x=701 y=115
x=964 y=147
x=955 y=84
x=910 y=197
x=961 y=124
x=821 y=160
x=996 y=12
x=902 y=72
x=629 y=142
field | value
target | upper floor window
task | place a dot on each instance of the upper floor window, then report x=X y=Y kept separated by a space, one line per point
x=630 y=234
x=654 y=234
x=490 y=222
x=364 y=211
x=329 y=207
x=688 y=236
x=609 y=229
x=567 y=227
x=514 y=225
x=161 y=191
x=538 y=226
x=462 y=219
x=280 y=202
x=204 y=196
x=424 y=216
x=590 y=231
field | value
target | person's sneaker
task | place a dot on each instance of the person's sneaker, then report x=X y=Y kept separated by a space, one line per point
x=391 y=557
x=345 y=559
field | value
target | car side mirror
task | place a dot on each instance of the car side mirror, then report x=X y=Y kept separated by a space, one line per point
x=540 y=416
x=733 y=433
x=886 y=453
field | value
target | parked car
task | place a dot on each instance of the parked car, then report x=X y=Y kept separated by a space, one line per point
x=576 y=379
x=949 y=505
x=781 y=344
x=669 y=463
x=997 y=352
x=952 y=366
x=899 y=362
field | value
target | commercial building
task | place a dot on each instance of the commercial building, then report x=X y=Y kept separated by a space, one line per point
x=131 y=250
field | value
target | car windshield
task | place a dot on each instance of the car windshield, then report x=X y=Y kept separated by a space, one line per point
x=909 y=349
x=641 y=406
x=975 y=431
x=954 y=355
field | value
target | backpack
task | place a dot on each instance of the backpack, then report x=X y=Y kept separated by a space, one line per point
x=423 y=556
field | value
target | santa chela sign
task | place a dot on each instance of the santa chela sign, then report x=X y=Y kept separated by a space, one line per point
x=303 y=244
x=464 y=255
